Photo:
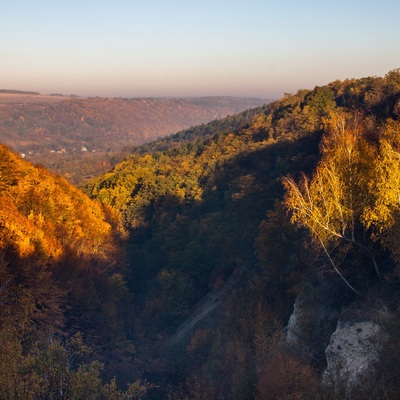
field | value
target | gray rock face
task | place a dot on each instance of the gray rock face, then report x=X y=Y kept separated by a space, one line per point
x=293 y=331
x=350 y=338
x=311 y=325
x=352 y=351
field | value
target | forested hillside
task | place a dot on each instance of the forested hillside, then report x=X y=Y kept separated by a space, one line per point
x=80 y=137
x=211 y=217
x=200 y=256
x=61 y=277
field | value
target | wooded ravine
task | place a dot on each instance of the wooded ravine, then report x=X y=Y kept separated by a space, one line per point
x=222 y=262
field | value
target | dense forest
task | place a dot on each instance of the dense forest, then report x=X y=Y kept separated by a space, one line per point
x=65 y=133
x=78 y=167
x=179 y=273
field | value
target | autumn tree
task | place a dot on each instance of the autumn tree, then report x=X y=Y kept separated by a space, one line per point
x=383 y=214
x=331 y=203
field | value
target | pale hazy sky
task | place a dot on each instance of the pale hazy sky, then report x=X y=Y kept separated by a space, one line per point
x=155 y=48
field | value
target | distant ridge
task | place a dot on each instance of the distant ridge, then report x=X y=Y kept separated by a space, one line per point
x=103 y=124
x=9 y=91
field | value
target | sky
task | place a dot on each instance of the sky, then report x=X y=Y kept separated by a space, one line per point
x=179 y=48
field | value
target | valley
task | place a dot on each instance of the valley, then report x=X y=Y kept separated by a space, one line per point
x=252 y=257
x=81 y=137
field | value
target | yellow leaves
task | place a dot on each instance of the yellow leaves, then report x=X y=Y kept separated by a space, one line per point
x=147 y=159
x=383 y=215
x=261 y=122
x=385 y=184
x=316 y=208
x=356 y=187
x=342 y=141
x=185 y=165
x=326 y=204
x=331 y=202
x=180 y=193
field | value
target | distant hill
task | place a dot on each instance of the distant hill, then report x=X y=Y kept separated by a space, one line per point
x=8 y=91
x=32 y=122
x=79 y=138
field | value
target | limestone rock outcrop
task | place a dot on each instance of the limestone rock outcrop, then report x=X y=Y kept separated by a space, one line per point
x=352 y=352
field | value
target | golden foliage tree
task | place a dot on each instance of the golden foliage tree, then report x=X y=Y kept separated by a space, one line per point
x=331 y=203
x=383 y=215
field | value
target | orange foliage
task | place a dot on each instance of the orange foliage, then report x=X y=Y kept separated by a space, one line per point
x=39 y=207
